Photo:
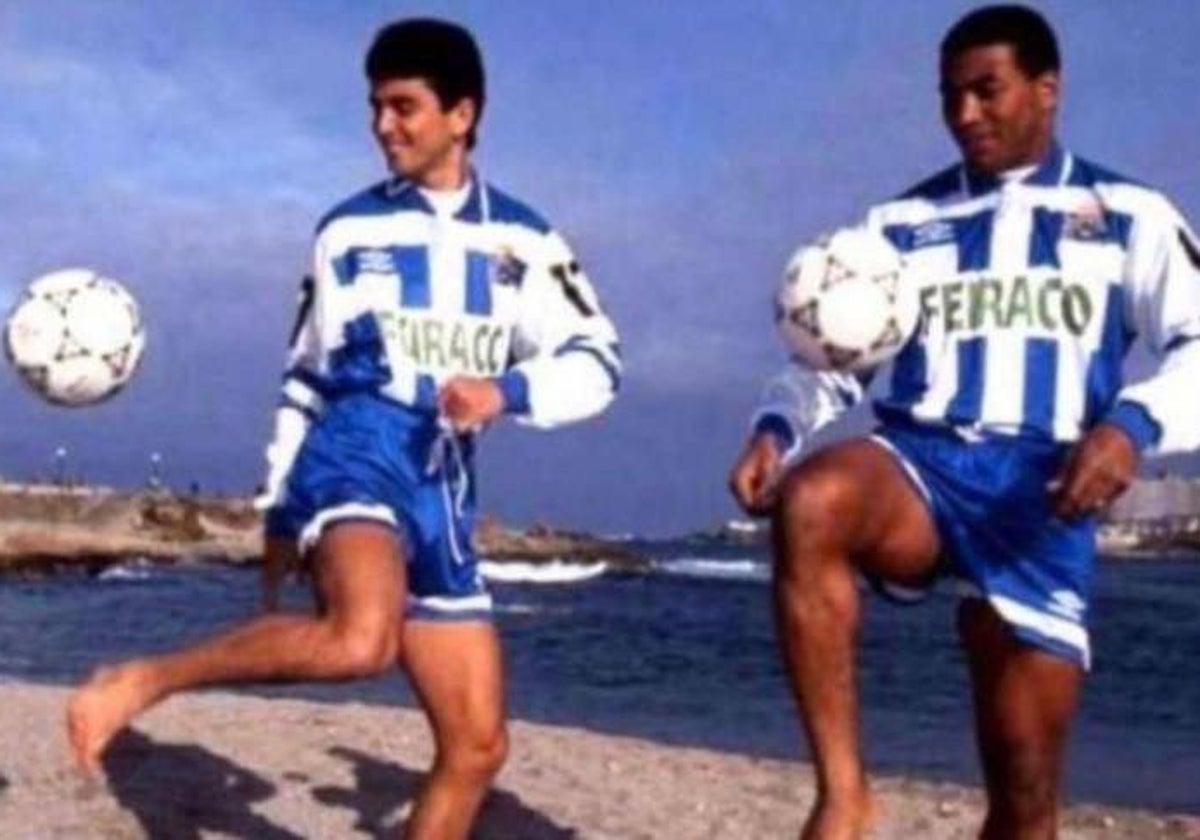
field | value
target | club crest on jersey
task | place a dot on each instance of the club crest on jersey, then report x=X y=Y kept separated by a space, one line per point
x=505 y=269
x=1087 y=224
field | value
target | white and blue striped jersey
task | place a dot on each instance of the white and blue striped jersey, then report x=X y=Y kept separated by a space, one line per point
x=405 y=295
x=1032 y=288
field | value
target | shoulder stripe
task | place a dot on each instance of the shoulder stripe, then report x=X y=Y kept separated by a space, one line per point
x=504 y=208
x=377 y=200
x=1084 y=173
x=939 y=186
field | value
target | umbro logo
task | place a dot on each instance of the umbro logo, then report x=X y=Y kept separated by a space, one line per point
x=937 y=232
x=374 y=261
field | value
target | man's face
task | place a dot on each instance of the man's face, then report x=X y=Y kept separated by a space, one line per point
x=1000 y=118
x=421 y=141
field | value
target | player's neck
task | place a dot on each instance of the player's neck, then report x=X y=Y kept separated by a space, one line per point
x=1021 y=165
x=448 y=175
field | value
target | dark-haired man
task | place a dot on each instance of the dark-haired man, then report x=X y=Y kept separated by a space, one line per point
x=436 y=304
x=1005 y=426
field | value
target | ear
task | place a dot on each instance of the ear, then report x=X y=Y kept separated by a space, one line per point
x=462 y=117
x=1047 y=87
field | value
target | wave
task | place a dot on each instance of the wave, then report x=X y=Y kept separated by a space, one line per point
x=714 y=569
x=553 y=572
x=124 y=573
x=620 y=537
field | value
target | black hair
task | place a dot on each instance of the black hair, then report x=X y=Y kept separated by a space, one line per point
x=444 y=54
x=1025 y=30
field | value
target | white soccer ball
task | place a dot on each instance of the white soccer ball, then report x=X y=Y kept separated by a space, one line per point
x=845 y=302
x=75 y=337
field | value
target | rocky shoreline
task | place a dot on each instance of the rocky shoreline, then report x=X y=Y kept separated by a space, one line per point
x=46 y=528
x=51 y=528
x=1119 y=539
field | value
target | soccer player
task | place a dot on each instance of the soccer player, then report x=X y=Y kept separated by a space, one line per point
x=1005 y=426
x=436 y=304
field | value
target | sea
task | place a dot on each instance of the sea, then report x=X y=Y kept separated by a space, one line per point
x=685 y=654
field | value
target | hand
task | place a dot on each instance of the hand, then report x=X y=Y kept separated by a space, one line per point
x=280 y=557
x=469 y=403
x=1096 y=472
x=755 y=475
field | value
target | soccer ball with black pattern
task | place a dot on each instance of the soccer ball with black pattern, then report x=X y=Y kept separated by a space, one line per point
x=75 y=337
x=845 y=302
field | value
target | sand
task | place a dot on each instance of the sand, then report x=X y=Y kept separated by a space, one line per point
x=223 y=765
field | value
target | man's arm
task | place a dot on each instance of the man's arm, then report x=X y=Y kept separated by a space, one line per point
x=1159 y=413
x=795 y=404
x=299 y=400
x=566 y=352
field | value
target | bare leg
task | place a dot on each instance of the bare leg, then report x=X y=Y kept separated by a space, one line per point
x=1024 y=702
x=457 y=672
x=360 y=579
x=846 y=508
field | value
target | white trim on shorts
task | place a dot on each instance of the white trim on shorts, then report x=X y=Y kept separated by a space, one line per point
x=450 y=607
x=907 y=594
x=906 y=465
x=311 y=533
x=1044 y=624
x=1014 y=612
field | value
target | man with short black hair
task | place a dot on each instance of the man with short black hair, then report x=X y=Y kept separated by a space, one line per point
x=1005 y=427
x=436 y=304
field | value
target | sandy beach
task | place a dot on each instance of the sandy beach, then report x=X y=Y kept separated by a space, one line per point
x=223 y=765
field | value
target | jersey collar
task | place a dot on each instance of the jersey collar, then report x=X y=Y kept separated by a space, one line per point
x=1054 y=170
x=404 y=193
x=474 y=209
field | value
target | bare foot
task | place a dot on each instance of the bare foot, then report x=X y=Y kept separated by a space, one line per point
x=101 y=707
x=846 y=819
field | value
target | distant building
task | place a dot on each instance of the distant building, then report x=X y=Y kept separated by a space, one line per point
x=1160 y=498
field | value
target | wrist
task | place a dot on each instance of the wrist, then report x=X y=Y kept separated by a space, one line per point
x=1135 y=421
x=777 y=430
x=514 y=392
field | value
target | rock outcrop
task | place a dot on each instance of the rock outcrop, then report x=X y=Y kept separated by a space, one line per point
x=44 y=528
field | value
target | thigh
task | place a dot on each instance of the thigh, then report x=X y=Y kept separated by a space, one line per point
x=358 y=576
x=457 y=672
x=856 y=498
x=1025 y=699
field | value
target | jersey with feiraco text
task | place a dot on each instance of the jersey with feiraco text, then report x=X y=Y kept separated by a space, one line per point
x=403 y=297
x=1033 y=288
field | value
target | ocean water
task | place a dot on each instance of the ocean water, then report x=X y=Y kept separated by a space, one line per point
x=686 y=655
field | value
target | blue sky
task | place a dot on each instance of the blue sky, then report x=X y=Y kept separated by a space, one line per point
x=187 y=148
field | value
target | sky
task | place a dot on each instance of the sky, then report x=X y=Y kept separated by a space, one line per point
x=685 y=149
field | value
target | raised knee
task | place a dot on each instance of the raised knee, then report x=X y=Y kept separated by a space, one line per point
x=367 y=651
x=815 y=510
x=478 y=753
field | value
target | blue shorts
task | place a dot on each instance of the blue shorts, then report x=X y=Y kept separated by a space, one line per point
x=999 y=536
x=369 y=459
